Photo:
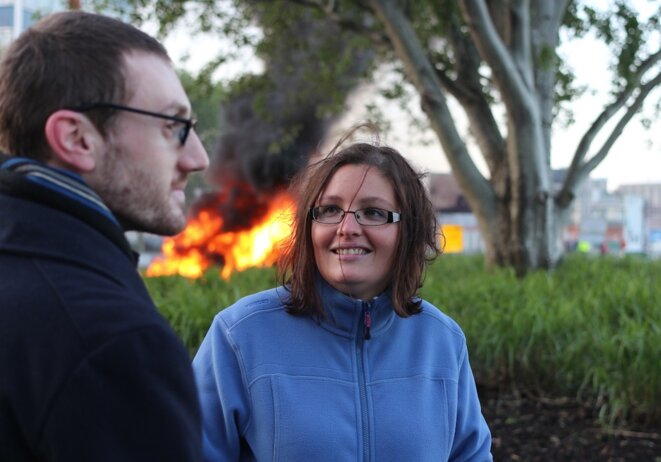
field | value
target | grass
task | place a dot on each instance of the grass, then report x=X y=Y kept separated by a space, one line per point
x=591 y=329
x=190 y=304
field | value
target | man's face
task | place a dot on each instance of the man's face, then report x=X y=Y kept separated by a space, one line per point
x=143 y=171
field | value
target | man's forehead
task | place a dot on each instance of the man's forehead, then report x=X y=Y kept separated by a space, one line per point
x=151 y=79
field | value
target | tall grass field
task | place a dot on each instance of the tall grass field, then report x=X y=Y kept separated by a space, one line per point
x=590 y=330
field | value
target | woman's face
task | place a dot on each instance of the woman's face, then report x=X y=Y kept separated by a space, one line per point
x=356 y=259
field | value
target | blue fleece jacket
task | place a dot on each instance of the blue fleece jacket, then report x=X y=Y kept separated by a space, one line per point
x=278 y=387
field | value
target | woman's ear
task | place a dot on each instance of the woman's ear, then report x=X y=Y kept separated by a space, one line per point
x=73 y=140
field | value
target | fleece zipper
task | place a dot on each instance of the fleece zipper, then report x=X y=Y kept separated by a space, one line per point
x=361 y=337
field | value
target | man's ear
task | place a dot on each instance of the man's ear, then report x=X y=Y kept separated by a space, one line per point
x=74 y=141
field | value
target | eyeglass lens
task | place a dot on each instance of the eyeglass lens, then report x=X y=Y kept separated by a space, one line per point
x=370 y=216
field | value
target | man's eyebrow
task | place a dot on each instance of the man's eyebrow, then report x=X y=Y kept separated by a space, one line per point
x=180 y=110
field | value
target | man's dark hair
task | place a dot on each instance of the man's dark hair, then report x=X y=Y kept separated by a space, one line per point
x=67 y=59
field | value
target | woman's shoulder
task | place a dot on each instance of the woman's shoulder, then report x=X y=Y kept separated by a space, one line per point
x=255 y=305
x=442 y=320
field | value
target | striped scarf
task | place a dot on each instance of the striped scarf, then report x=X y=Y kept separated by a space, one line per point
x=60 y=181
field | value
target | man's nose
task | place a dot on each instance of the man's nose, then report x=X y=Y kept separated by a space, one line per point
x=195 y=157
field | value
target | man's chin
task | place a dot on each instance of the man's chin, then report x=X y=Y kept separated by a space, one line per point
x=170 y=227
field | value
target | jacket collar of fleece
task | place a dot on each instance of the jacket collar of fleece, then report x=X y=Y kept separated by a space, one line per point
x=345 y=315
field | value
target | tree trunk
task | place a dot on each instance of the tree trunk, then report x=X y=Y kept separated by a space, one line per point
x=521 y=213
x=514 y=208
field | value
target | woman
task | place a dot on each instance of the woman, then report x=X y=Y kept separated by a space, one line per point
x=343 y=362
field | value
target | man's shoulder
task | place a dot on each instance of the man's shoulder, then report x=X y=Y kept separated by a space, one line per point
x=90 y=300
x=52 y=224
x=68 y=319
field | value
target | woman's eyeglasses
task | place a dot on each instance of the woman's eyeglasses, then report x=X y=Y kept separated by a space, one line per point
x=369 y=216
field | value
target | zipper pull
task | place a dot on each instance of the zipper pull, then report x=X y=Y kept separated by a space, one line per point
x=367 y=321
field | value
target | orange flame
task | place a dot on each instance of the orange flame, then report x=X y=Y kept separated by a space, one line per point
x=203 y=243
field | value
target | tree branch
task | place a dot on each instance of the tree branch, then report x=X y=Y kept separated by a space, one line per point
x=493 y=51
x=331 y=12
x=520 y=45
x=518 y=97
x=467 y=89
x=423 y=77
x=546 y=19
x=619 y=128
x=648 y=64
x=579 y=169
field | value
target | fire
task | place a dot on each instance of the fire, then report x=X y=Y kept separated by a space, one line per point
x=209 y=238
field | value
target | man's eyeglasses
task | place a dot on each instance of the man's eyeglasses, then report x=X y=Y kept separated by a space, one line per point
x=370 y=216
x=187 y=124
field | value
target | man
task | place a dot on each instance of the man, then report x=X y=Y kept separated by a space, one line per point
x=100 y=140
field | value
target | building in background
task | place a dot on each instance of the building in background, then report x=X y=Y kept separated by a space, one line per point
x=459 y=229
x=651 y=194
x=627 y=220
x=17 y=15
x=595 y=220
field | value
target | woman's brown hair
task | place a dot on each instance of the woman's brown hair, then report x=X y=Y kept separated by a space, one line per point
x=417 y=241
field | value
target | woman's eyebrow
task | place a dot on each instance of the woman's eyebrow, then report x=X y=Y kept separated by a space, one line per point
x=369 y=201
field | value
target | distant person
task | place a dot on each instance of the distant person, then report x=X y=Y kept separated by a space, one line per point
x=344 y=362
x=99 y=139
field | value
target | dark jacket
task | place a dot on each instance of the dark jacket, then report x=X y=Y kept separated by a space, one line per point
x=89 y=370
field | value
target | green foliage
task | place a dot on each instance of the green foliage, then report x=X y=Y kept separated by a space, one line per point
x=205 y=96
x=190 y=305
x=621 y=28
x=437 y=25
x=589 y=330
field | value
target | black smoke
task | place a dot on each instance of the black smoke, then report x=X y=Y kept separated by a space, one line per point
x=272 y=123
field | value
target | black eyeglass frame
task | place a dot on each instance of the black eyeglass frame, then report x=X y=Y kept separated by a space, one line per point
x=391 y=217
x=182 y=134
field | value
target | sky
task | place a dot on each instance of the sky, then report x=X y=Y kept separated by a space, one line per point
x=635 y=157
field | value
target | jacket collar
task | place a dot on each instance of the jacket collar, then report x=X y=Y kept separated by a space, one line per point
x=57 y=181
x=60 y=190
x=346 y=315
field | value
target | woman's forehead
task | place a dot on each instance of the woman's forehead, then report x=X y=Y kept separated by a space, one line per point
x=359 y=182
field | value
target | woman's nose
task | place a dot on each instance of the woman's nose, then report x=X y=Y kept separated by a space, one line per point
x=349 y=224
